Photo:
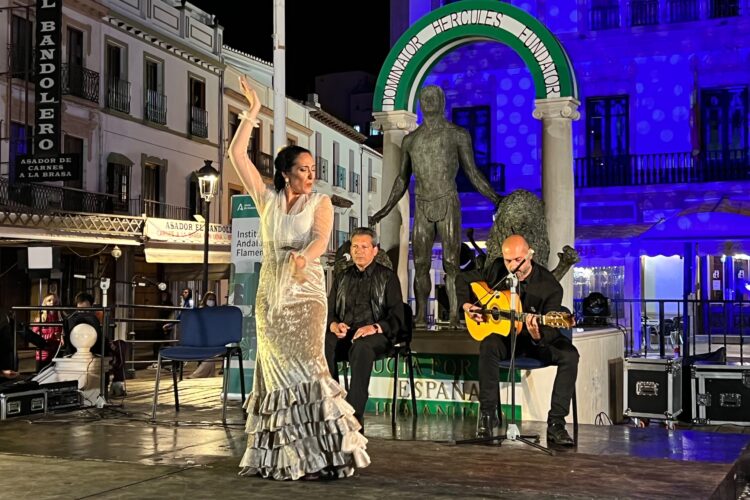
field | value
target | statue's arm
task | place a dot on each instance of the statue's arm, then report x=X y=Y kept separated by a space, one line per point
x=400 y=185
x=477 y=179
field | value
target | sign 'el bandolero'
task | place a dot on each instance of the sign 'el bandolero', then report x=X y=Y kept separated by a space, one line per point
x=47 y=164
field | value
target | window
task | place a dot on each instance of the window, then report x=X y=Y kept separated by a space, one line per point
x=118 y=185
x=75 y=47
x=683 y=10
x=20 y=144
x=118 y=88
x=605 y=14
x=340 y=176
x=151 y=190
x=724 y=8
x=607 y=126
x=355 y=183
x=198 y=115
x=476 y=120
x=155 y=105
x=353 y=224
x=233 y=123
x=644 y=12
x=21 y=56
x=74 y=145
x=724 y=131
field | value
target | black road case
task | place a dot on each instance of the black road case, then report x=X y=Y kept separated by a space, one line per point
x=721 y=394
x=653 y=388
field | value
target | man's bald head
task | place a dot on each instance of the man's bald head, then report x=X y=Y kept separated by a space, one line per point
x=515 y=250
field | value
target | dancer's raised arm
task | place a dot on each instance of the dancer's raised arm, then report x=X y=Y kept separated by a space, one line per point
x=245 y=168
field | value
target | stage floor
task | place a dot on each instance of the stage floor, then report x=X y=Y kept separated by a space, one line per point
x=116 y=452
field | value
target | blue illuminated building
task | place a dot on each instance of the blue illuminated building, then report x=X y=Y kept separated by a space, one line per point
x=660 y=151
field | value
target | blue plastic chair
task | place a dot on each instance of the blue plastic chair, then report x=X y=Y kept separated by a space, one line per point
x=208 y=333
x=525 y=363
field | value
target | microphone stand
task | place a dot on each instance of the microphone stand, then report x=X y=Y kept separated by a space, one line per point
x=512 y=433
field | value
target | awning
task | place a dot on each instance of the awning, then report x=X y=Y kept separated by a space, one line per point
x=340 y=201
x=185 y=254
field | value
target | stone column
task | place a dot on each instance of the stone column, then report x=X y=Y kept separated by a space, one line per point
x=558 y=187
x=394 y=229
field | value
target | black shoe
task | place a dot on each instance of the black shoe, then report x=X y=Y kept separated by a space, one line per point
x=487 y=423
x=556 y=434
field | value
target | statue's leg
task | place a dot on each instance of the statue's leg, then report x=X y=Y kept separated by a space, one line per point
x=422 y=241
x=450 y=234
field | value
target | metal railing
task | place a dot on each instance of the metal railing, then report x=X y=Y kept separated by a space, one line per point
x=198 y=122
x=80 y=82
x=644 y=12
x=661 y=168
x=154 y=208
x=354 y=186
x=723 y=8
x=678 y=326
x=605 y=17
x=46 y=199
x=321 y=168
x=265 y=165
x=155 y=107
x=118 y=95
x=683 y=10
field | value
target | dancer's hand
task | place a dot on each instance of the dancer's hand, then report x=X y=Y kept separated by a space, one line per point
x=251 y=96
x=299 y=263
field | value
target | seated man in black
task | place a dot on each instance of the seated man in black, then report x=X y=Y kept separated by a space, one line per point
x=365 y=316
x=540 y=293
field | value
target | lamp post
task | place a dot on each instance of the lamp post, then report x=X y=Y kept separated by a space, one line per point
x=208 y=183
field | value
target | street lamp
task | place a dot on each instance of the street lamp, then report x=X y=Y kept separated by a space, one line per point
x=208 y=183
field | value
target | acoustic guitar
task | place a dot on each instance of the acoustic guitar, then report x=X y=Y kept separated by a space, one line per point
x=495 y=310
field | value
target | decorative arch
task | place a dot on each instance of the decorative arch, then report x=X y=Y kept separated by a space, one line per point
x=461 y=23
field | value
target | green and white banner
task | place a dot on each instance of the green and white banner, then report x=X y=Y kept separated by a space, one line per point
x=247 y=253
x=443 y=384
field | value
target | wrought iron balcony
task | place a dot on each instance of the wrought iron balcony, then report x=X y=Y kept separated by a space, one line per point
x=265 y=165
x=683 y=10
x=80 y=82
x=644 y=12
x=155 y=107
x=663 y=168
x=321 y=168
x=154 y=208
x=198 y=122
x=118 y=95
x=45 y=199
x=605 y=17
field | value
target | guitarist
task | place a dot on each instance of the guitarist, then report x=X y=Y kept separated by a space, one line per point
x=540 y=293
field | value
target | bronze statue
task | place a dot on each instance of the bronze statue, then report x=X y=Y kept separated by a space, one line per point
x=433 y=153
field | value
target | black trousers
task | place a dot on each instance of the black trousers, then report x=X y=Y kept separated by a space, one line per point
x=557 y=351
x=361 y=354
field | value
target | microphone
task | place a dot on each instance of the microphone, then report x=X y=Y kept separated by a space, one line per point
x=528 y=256
x=347 y=256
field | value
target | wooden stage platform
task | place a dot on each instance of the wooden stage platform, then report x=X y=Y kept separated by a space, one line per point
x=116 y=452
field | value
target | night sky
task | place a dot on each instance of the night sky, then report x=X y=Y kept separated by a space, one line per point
x=314 y=40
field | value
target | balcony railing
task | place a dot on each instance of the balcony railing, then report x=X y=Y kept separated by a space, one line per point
x=354 y=186
x=153 y=208
x=198 y=122
x=605 y=17
x=45 y=199
x=118 y=95
x=663 y=168
x=724 y=8
x=644 y=12
x=321 y=168
x=372 y=184
x=265 y=165
x=340 y=180
x=20 y=59
x=683 y=10
x=155 y=107
x=80 y=82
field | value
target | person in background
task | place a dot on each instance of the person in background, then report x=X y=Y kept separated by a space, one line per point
x=206 y=368
x=7 y=354
x=52 y=335
x=186 y=299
